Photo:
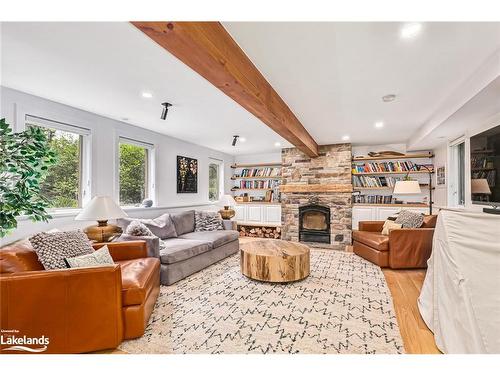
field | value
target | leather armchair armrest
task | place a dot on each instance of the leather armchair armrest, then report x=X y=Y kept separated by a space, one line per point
x=78 y=310
x=410 y=248
x=125 y=250
x=230 y=224
x=371 y=226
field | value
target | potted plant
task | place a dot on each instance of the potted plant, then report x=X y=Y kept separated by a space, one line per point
x=25 y=159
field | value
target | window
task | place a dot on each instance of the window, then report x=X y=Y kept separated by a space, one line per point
x=63 y=186
x=457 y=173
x=135 y=172
x=214 y=179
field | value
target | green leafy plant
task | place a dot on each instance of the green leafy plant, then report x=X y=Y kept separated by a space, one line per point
x=25 y=159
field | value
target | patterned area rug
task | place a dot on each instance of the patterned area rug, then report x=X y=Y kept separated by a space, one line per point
x=344 y=306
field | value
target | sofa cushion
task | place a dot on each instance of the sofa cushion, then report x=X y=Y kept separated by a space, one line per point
x=373 y=239
x=206 y=221
x=184 y=222
x=215 y=238
x=137 y=279
x=175 y=250
x=162 y=227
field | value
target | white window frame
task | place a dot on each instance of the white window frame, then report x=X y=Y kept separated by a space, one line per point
x=86 y=154
x=453 y=173
x=151 y=172
x=220 y=164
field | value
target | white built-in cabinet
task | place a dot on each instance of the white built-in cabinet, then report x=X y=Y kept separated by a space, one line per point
x=258 y=214
x=367 y=213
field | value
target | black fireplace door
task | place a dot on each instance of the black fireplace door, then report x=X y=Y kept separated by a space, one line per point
x=314 y=224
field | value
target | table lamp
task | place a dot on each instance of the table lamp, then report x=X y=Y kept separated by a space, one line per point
x=227 y=201
x=480 y=186
x=101 y=209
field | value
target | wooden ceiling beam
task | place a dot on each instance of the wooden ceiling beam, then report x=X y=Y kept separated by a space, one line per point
x=208 y=49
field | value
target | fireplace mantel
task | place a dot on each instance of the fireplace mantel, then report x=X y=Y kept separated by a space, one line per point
x=316 y=188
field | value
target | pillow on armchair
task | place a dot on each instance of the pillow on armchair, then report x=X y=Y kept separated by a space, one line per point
x=410 y=219
x=53 y=248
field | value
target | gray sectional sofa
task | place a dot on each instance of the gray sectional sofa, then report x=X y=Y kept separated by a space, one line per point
x=188 y=251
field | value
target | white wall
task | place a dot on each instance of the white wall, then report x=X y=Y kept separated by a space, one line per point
x=15 y=105
x=441 y=191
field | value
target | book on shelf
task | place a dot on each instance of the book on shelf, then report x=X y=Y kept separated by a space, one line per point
x=389 y=166
x=256 y=184
x=372 y=199
x=375 y=181
x=260 y=172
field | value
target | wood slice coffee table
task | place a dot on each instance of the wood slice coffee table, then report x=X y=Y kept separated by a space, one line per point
x=275 y=261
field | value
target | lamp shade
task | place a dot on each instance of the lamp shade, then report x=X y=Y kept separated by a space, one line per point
x=479 y=186
x=101 y=208
x=407 y=187
x=227 y=200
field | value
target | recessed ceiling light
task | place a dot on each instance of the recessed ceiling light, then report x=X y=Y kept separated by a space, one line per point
x=389 y=98
x=277 y=144
x=147 y=95
x=243 y=139
x=410 y=30
x=379 y=124
x=345 y=138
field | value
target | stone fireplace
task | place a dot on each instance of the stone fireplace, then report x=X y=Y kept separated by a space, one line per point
x=316 y=197
x=314 y=224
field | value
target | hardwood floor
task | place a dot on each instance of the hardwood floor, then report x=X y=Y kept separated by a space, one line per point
x=405 y=286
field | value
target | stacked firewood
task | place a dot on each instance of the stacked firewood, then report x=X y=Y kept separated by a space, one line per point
x=261 y=232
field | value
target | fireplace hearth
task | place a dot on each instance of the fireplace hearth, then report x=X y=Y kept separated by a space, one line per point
x=314 y=224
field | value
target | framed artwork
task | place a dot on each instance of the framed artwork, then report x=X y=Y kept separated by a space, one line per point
x=440 y=176
x=187 y=175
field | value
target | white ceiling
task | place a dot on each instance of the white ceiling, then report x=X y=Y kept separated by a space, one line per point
x=104 y=68
x=333 y=75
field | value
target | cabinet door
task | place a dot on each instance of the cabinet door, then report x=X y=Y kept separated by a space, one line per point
x=272 y=214
x=254 y=214
x=362 y=214
x=384 y=212
x=240 y=212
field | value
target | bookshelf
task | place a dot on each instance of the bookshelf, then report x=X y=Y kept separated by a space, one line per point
x=374 y=178
x=259 y=181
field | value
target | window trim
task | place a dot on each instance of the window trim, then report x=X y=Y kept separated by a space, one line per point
x=454 y=175
x=150 y=167
x=85 y=183
x=220 y=165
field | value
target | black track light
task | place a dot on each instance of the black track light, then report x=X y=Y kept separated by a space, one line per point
x=165 y=110
x=235 y=139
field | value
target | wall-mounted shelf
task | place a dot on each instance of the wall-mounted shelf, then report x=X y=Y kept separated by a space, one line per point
x=256 y=165
x=236 y=189
x=407 y=156
x=376 y=173
x=391 y=204
x=379 y=187
x=257 y=178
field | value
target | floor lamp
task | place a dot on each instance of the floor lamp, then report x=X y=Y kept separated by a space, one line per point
x=407 y=186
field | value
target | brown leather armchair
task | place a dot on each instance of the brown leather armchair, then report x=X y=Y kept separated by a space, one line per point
x=402 y=248
x=81 y=309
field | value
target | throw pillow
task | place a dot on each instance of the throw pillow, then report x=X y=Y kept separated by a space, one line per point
x=99 y=257
x=410 y=219
x=207 y=221
x=136 y=228
x=162 y=226
x=389 y=225
x=53 y=248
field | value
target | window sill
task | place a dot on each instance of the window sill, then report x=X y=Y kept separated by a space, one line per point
x=72 y=212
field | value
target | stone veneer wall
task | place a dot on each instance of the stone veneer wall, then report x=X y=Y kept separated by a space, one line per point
x=332 y=166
